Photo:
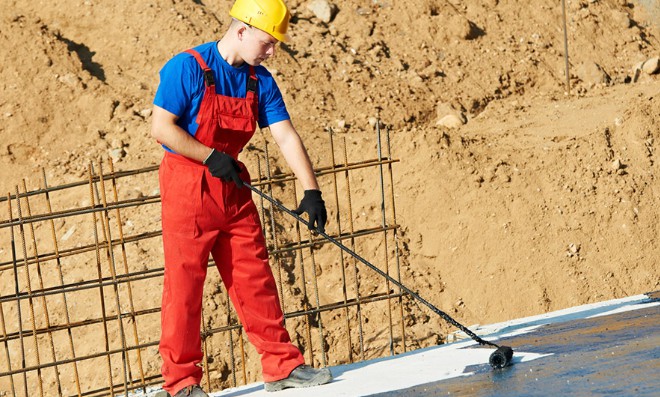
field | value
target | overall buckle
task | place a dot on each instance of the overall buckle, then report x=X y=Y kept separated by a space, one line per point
x=252 y=84
x=209 y=80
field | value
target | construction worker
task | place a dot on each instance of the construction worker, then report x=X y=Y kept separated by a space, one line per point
x=205 y=111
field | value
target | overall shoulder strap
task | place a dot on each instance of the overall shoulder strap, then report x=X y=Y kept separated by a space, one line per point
x=252 y=81
x=209 y=81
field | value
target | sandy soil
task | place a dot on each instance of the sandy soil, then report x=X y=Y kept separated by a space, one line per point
x=533 y=200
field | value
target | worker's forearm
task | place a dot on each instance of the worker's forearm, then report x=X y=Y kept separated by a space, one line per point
x=178 y=140
x=296 y=156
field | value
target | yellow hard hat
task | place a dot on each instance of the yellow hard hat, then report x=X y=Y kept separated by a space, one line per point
x=271 y=16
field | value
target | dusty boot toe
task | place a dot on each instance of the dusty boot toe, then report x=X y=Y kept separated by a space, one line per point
x=191 y=391
x=302 y=376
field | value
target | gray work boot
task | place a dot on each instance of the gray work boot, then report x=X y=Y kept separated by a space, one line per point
x=191 y=391
x=302 y=376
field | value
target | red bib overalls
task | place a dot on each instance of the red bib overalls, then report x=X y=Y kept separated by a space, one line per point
x=202 y=214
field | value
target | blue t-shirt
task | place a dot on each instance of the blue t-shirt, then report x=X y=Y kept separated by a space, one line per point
x=181 y=87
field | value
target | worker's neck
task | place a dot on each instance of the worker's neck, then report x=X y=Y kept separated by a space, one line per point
x=229 y=53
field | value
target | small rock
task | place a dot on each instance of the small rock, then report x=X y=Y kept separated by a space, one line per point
x=341 y=124
x=652 y=65
x=363 y=11
x=444 y=108
x=450 y=121
x=621 y=19
x=323 y=10
x=460 y=27
x=69 y=79
x=449 y=116
x=616 y=164
x=592 y=73
x=373 y=121
x=68 y=233
x=118 y=143
x=145 y=112
x=117 y=154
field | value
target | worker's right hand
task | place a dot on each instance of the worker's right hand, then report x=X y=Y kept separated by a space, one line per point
x=223 y=166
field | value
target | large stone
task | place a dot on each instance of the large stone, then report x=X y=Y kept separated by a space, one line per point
x=652 y=65
x=592 y=73
x=450 y=121
x=444 y=108
x=323 y=10
x=449 y=116
x=460 y=27
x=621 y=19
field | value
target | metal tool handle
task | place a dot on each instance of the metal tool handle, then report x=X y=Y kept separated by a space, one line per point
x=439 y=312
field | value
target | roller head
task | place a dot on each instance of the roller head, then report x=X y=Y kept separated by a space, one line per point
x=501 y=357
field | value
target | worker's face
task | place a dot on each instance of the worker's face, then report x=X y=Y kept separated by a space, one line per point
x=257 y=45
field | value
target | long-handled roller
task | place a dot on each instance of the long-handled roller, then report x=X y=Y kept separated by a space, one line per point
x=500 y=358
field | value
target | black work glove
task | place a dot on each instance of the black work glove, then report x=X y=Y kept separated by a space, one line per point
x=223 y=166
x=314 y=206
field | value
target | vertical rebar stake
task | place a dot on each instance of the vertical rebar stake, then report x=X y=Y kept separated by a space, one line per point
x=261 y=199
x=396 y=236
x=99 y=273
x=349 y=342
x=29 y=286
x=317 y=298
x=241 y=343
x=232 y=359
x=28 y=210
x=58 y=262
x=384 y=226
x=129 y=287
x=205 y=350
x=110 y=256
x=568 y=74
x=355 y=268
x=18 y=304
x=303 y=284
x=273 y=231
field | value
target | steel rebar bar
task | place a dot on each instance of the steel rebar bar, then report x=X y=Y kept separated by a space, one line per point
x=60 y=273
x=35 y=249
x=21 y=230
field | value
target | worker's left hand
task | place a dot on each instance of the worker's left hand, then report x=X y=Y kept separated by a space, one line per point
x=314 y=206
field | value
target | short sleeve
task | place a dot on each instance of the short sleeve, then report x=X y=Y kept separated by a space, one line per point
x=272 y=108
x=178 y=83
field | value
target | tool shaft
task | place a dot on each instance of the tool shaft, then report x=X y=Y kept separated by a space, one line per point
x=394 y=281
